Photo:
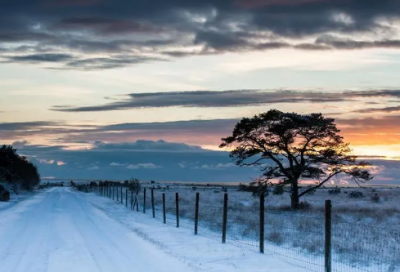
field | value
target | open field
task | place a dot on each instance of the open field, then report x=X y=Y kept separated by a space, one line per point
x=365 y=235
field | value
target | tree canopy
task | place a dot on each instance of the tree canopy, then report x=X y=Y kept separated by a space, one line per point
x=17 y=169
x=291 y=147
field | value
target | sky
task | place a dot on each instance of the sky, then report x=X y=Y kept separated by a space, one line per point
x=160 y=82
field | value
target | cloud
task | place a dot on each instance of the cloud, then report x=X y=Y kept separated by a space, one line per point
x=40 y=58
x=13 y=126
x=108 y=63
x=143 y=166
x=173 y=28
x=146 y=146
x=208 y=99
x=375 y=110
x=46 y=161
x=229 y=98
x=116 y=164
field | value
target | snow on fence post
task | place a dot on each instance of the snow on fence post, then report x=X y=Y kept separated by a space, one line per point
x=144 y=200
x=196 y=214
x=126 y=197
x=225 y=218
x=152 y=203
x=177 y=209
x=262 y=222
x=163 y=208
x=328 y=236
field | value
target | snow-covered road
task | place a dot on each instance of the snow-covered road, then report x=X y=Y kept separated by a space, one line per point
x=59 y=230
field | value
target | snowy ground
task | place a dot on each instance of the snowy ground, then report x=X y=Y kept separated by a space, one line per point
x=64 y=230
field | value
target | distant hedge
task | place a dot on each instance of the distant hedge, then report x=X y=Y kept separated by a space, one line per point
x=16 y=169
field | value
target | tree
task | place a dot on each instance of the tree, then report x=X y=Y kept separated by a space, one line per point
x=291 y=147
x=17 y=169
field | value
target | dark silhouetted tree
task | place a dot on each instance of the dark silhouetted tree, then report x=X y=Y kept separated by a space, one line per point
x=17 y=169
x=291 y=148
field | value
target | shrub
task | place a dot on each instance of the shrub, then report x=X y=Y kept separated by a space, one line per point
x=356 y=194
x=278 y=190
x=375 y=198
x=304 y=205
x=312 y=192
x=334 y=191
x=4 y=194
x=255 y=188
x=134 y=185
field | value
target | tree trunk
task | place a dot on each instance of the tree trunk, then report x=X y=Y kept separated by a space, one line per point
x=295 y=201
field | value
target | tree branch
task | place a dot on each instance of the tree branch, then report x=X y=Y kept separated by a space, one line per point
x=320 y=184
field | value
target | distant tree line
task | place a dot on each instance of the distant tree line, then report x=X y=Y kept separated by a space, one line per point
x=17 y=170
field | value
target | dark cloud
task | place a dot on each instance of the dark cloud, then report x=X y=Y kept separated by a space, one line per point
x=226 y=99
x=172 y=27
x=40 y=58
x=374 y=110
x=15 y=126
x=209 y=99
x=108 y=63
x=105 y=26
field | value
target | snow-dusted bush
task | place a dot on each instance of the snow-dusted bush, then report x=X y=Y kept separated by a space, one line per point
x=4 y=194
x=356 y=194
x=334 y=191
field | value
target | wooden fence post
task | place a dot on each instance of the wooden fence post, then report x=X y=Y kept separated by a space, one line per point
x=225 y=218
x=177 y=209
x=126 y=197
x=328 y=236
x=196 y=214
x=152 y=203
x=117 y=192
x=113 y=192
x=137 y=200
x=144 y=200
x=163 y=207
x=132 y=200
x=262 y=222
x=122 y=198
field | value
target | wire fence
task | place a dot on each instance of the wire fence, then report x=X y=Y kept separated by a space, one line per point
x=315 y=240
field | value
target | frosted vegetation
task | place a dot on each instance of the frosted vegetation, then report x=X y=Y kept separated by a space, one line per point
x=365 y=222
